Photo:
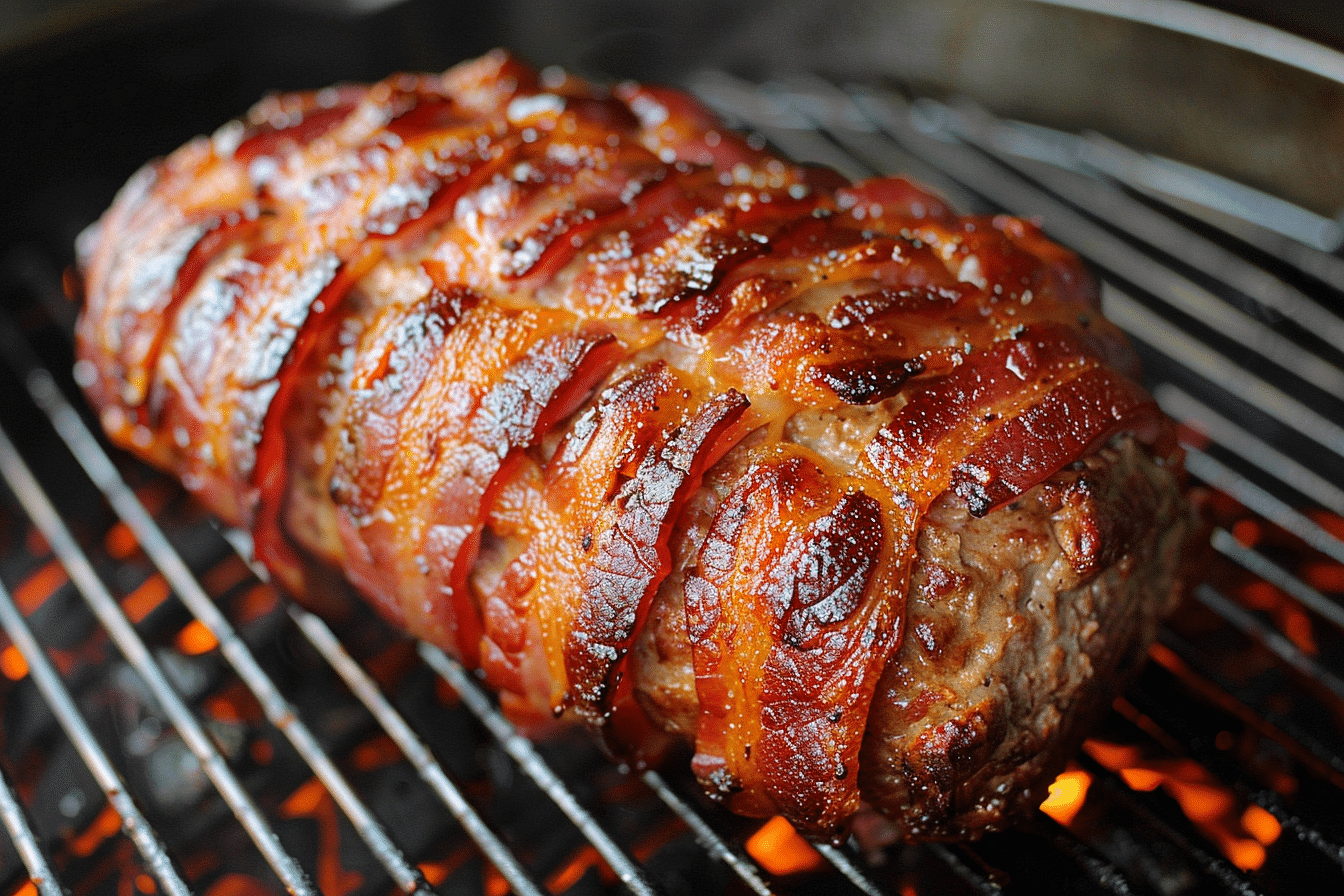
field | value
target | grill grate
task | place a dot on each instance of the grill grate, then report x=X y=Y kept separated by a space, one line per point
x=1226 y=755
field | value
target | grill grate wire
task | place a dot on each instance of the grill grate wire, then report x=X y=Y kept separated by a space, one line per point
x=1210 y=351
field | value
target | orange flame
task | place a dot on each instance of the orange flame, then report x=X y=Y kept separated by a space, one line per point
x=234 y=884
x=105 y=825
x=436 y=871
x=495 y=883
x=1240 y=830
x=781 y=850
x=1067 y=795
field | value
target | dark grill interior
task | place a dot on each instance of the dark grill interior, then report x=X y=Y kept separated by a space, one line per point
x=171 y=724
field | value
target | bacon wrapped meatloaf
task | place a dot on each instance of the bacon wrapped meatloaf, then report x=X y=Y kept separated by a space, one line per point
x=657 y=430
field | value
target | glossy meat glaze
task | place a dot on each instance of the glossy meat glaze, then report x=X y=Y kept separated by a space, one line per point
x=652 y=427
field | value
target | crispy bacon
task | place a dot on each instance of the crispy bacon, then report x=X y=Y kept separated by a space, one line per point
x=476 y=343
x=789 y=632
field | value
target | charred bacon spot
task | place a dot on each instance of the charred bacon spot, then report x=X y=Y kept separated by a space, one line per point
x=693 y=260
x=868 y=380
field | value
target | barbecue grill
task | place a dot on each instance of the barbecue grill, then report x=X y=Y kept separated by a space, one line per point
x=171 y=724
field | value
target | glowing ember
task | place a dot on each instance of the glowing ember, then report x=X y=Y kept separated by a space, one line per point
x=495 y=884
x=436 y=871
x=234 y=885
x=1067 y=795
x=781 y=850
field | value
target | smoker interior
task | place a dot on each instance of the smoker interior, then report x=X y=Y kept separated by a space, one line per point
x=171 y=724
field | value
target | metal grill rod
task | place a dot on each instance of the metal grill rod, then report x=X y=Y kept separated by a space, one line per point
x=1224 y=543
x=1276 y=643
x=364 y=687
x=1180 y=405
x=1004 y=141
x=745 y=869
x=48 y=521
x=846 y=866
x=1231 y=207
x=981 y=884
x=62 y=705
x=20 y=831
x=278 y=711
x=1189 y=190
x=1248 y=706
x=1218 y=475
x=1147 y=327
x=520 y=749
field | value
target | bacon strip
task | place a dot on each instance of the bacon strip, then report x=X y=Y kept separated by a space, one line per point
x=790 y=623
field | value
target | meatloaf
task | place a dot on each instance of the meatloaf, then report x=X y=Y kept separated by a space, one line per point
x=660 y=432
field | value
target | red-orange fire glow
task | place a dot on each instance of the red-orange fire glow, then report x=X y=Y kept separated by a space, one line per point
x=436 y=871
x=378 y=752
x=495 y=884
x=780 y=849
x=1240 y=830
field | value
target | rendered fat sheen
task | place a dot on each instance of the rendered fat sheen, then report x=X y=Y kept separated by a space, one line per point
x=661 y=432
